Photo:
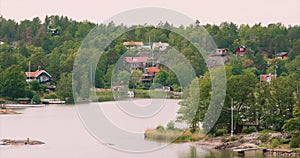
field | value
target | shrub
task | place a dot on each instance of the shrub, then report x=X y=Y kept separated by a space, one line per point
x=170 y=125
x=29 y=93
x=275 y=143
x=223 y=140
x=36 y=99
x=284 y=141
x=160 y=128
x=264 y=137
x=295 y=142
x=51 y=96
x=249 y=130
x=232 y=138
x=220 y=132
x=186 y=136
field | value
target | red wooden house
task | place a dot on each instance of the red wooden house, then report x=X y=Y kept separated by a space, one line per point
x=282 y=55
x=40 y=75
x=241 y=50
x=267 y=77
x=221 y=51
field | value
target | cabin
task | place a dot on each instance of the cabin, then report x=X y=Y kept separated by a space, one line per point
x=133 y=45
x=136 y=62
x=148 y=77
x=282 y=55
x=267 y=77
x=40 y=75
x=161 y=46
x=241 y=51
x=221 y=51
x=24 y=100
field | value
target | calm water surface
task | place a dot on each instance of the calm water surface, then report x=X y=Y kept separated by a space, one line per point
x=67 y=136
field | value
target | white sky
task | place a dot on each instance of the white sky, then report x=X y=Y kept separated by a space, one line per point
x=207 y=11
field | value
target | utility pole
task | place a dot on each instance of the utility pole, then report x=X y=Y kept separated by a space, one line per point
x=231 y=117
x=29 y=74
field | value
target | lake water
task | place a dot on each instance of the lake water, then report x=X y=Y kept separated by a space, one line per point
x=81 y=132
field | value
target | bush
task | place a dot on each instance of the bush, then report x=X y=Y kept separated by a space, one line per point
x=186 y=136
x=170 y=125
x=223 y=140
x=284 y=141
x=275 y=143
x=160 y=128
x=29 y=93
x=249 y=130
x=232 y=138
x=51 y=96
x=36 y=99
x=264 y=137
x=220 y=132
x=35 y=85
x=295 y=142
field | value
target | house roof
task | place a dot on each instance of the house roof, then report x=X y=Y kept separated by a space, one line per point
x=153 y=69
x=135 y=59
x=133 y=43
x=241 y=49
x=158 y=44
x=281 y=54
x=36 y=73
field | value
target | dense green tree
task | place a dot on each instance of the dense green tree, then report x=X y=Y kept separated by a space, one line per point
x=35 y=85
x=64 y=87
x=191 y=111
x=161 y=77
x=12 y=82
x=240 y=89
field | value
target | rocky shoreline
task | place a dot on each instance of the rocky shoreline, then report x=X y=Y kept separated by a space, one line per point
x=7 y=111
x=20 y=142
x=244 y=143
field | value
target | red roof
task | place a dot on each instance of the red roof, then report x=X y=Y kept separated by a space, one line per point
x=132 y=43
x=36 y=74
x=153 y=69
x=241 y=49
x=136 y=59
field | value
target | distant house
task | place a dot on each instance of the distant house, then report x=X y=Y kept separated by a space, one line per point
x=241 y=50
x=221 y=52
x=282 y=55
x=133 y=45
x=148 y=77
x=136 y=62
x=160 y=46
x=267 y=77
x=152 y=70
x=40 y=75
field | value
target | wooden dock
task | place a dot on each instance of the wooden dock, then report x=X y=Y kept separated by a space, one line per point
x=241 y=152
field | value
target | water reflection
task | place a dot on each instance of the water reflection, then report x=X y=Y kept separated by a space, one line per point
x=202 y=152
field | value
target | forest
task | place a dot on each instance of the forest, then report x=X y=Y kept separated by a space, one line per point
x=53 y=45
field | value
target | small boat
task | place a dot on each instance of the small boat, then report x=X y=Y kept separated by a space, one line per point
x=53 y=101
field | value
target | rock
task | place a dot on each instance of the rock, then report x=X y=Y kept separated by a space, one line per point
x=256 y=142
x=247 y=145
x=275 y=135
x=252 y=136
x=7 y=111
x=228 y=145
x=20 y=142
